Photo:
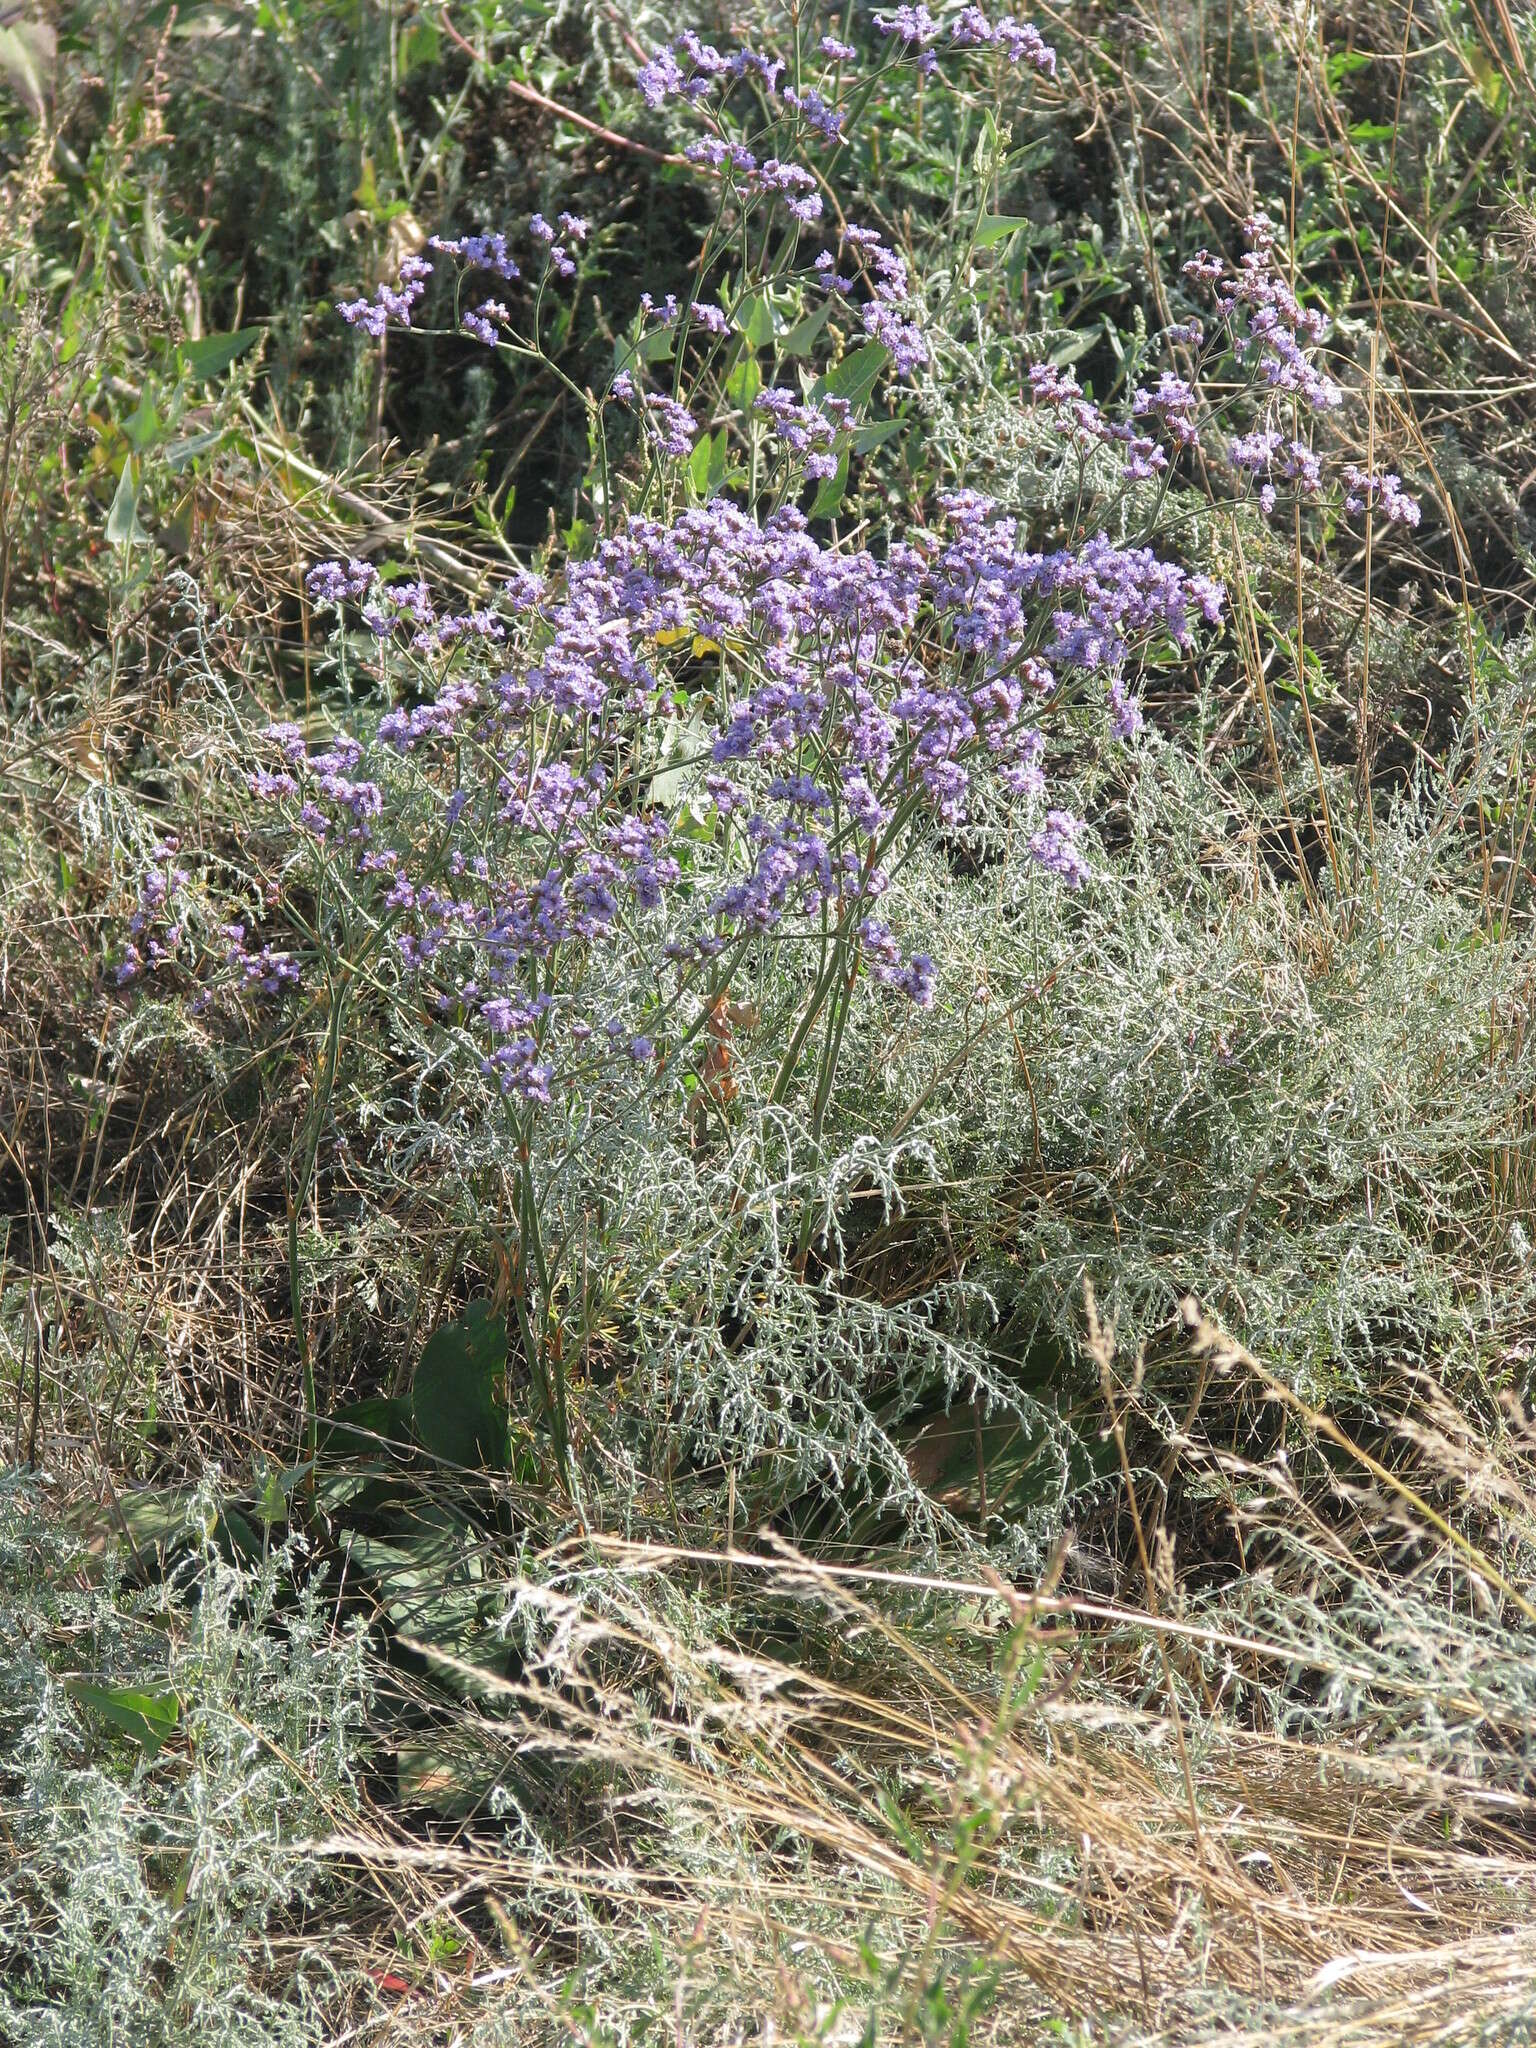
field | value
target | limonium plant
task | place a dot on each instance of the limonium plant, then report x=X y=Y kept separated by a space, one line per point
x=710 y=734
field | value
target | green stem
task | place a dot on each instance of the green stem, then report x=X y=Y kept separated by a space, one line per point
x=549 y=1372
x=323 y=1092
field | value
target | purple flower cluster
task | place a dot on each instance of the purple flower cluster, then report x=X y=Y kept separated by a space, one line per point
x=337 y=583
x=1273 y=331
x=557 y=256
x=867 y=699
x=266 y=967
x=486 y=320
x=1020 y=41
x=670 y=425
x=1172 y=401
x=1086 y=425
x=888 y=315
x=1382 y=492
x=916 y=979
x=478 y=252
x=1055 y=847
x=336 y=800
x=690 y=69
x=916 y=28
x=810 y=431
x=793 y=183
x=826 y=121
x=155 y=930
x=472 y=252
x=159 y=933
x=390 y=301
x=575 y=836
x=1272 y=334
x=1266 y=454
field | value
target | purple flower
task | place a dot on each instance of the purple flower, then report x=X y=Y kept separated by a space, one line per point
x=1270 y=328
x=806 y=430
x=795 y=184
x=1020 y=42
x=908 y=349
x=671 y=426
x=484 y=321
x=517 y=857
x=1054 y=846
x=1125 y=713
x=389 y=302
x=914 y=26
x=915 y=978
x=1382 y=492
x=748 y=63
x=479 y=252
x=334 y=583
x=1173 y=401
x=814 y=111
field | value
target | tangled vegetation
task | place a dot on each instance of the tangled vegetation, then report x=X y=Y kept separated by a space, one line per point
x=766 y=1145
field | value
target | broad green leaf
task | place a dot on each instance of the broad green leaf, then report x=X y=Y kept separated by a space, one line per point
x=699 y=462
x=719 y=457
x=830 y=496
x=240 y=1535
x=744 y=382
x=429 y=1579
x=149 y=1717
x=153 y=1515
x=27 y=50
x=358 y=1424
x=706 y=465
x=420 y=45
x=1075 y=347
x=272 y=1506
x=456 y=1394
x=123 y=519
x=686 y=741
x=452 y=1785
x=1490 y=80
x=211 y=357
x=997 y=227
x=876 y=433
x=1343 y=62
x=855 y=377
x=989 y=144
x=754 y=320
x=803 y=336
x=145 y=426
x=186 y=450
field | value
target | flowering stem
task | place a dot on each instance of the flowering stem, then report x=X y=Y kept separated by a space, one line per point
x=548 y=1374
